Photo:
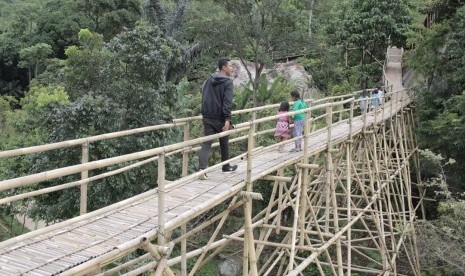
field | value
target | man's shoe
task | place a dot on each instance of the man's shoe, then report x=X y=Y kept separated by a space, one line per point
x=203 y=176
x=229 y=168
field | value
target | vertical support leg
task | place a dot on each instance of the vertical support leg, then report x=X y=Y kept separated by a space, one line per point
x=295 y=223
x=185 y=154
x=305 y=180
x=183 y=251
x=249 y=239
x=161 y=202
x=84 y=175
x=329 y=123
x=348 y=188
x=280 y=201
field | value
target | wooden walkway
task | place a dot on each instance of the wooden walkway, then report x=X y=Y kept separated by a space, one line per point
x=105 y=231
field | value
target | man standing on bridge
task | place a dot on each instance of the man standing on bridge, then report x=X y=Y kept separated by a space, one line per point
x=217 y=96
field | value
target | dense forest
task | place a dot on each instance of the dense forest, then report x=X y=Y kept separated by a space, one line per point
x=76 y=68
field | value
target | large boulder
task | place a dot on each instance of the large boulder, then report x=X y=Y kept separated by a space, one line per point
x=292 y=71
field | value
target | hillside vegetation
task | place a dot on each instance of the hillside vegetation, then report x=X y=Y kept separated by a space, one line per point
x=76 y=68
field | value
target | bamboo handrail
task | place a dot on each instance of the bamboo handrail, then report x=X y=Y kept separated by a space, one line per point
x=81 y=141
x=46 y=176
x=52 y=174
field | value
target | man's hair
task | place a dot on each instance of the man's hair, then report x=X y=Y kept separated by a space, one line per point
x=295 y=94
x=222 y=62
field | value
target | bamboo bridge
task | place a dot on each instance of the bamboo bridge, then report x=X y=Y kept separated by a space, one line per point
x=348 y=194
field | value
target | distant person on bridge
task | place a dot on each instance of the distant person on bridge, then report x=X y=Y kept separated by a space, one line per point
x=283 y=132
x=299 y=104
x=363 y=101
x=377 y=97
x=217 y=96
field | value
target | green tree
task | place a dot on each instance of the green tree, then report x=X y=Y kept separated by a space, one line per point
x=33 y=56
x=369 y=27
x=110 y=17
x=438 y=58
x=126 y=87
x=253 y=31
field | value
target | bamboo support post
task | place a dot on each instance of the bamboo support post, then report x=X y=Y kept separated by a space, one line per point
x=280 y=198
x=249 y=244
x=295 y=222
x=305 y=178
x=185 y=154
x=84 y=176
x=329 y=165
x=161 y=208
x=183 y=251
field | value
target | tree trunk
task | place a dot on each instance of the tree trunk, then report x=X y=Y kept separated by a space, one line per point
x=362 y=62
x=310 y=16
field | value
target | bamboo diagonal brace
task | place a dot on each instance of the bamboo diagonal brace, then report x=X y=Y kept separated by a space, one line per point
x=252 y=195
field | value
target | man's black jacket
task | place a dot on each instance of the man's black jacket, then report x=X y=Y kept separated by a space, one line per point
x=217 y=95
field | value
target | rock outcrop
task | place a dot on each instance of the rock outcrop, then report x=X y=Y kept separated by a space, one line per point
x=292 y=71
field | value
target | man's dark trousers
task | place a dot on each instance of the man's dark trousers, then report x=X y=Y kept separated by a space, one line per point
x=210 y=127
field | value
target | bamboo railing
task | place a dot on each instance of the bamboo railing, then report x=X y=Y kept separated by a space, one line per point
x=184 y=148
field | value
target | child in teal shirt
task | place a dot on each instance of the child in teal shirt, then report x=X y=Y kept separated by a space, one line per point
x=299 y=104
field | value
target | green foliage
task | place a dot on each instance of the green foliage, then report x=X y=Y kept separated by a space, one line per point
x=368 y=28
x=25 y=127
x=24 y=25
x=98 y=76
x=252 y=30
x=441 y=241
x=9 y=226
x=31 y=57
x=111 y=17
x=438 y=58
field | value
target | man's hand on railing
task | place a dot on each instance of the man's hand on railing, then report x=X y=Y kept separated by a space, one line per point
x=227 y=126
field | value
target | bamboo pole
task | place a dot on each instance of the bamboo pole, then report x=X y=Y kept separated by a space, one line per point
x=126 y=265
x=295 y=221
x=305 y=178
x=249 y=243
x=274 y=244
x=84 y=176
x=161 y=212
x=348 y=190
x=185 y=154
x=331 y=241
x=280 y=199
x=277 y=178
x=329 y=165
x=81 y=141
x=183 y=251
x=212 y=238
